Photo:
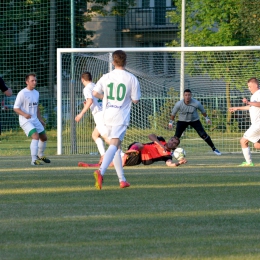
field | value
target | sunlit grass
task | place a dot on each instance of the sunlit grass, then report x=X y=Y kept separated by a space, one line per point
x=207 y=209
x=80 y=188
x=136 y=216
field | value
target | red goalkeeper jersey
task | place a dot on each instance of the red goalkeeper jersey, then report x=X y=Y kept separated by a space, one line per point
x=153 y=152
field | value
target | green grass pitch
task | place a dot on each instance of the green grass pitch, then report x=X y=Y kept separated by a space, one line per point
x=206 y=209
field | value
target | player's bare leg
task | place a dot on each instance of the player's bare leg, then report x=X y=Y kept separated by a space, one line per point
x=99 y=142
x=246 y=152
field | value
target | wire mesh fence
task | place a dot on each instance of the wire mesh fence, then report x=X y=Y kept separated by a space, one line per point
x=33 y=30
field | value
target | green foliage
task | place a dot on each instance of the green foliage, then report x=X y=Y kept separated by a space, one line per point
x=219 y=121
x=16 y=143
x=42 y=112
x=161 y=118
x=220 y=23
x=118 y=7
x=26 y=35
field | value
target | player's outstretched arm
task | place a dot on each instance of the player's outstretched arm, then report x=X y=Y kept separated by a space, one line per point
x=87 y=105
x=233 y=109
x=154 y=139
x=249 y=103
x=171 y=164
x=8 y=92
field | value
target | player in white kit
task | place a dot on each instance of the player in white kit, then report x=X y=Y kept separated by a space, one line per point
x=27 y=107
x=253 y=132
x=95 y=105
x=118 y=89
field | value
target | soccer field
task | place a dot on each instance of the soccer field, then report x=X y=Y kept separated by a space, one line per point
x=206 y=209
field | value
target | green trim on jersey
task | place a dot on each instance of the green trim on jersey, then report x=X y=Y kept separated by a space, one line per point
x=42 y=133
x=32 y=132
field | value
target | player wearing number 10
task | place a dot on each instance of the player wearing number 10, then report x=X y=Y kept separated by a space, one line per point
x=118 y=89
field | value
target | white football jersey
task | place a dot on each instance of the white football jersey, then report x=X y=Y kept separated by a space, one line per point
x=27 y=100
x=253 y=110
x=97 y=104
x=120 y=88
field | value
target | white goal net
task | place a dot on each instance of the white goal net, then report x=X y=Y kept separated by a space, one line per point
x=217 y=76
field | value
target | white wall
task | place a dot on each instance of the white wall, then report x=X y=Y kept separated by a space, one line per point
x=104 y=28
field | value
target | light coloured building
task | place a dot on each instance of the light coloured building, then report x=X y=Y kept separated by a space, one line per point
x=144 y=25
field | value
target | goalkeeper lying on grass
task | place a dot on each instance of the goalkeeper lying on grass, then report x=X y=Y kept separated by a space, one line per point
x=148 y=153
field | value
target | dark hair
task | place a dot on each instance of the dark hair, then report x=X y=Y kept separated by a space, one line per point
x=86 y=76
x=187 y=90
x=253 y=80
x=29 y=74
x=119 y=58
x=177 y=138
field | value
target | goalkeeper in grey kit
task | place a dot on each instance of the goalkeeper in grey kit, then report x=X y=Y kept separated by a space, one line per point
x=188 y=115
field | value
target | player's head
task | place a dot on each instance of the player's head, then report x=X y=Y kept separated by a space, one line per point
x=31 y=80
x=253 y=84
x=187 y=95
x=119 y=58
x=173 y=143
x=27 y=76
x=86 y=76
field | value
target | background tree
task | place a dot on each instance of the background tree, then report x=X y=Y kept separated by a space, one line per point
x=25 y=28
x=26 y=34
x=221 y=23
x=118 y=7
x=32 y=30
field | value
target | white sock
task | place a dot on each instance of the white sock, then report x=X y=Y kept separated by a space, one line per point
x=108 y=158
x=34 y=149
x=118 y=166
x=41 y=148
x=100 y=146
x=247 y=154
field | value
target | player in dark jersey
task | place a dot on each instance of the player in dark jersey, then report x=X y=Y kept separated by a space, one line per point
x=155 y=151
x=148 y=153
x=7 y=91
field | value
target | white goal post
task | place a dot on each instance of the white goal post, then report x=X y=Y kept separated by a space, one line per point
x=217 y=76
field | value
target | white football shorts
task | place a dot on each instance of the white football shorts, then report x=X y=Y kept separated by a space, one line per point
x=117 y=131
x=102 y=129
x=253 y=133
x=28 y=126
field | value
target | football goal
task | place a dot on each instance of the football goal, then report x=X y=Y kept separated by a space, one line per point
x=217 y=77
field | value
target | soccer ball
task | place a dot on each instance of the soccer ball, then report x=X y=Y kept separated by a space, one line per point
x=179 y=153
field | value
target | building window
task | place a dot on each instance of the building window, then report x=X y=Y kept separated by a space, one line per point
x=145 y=3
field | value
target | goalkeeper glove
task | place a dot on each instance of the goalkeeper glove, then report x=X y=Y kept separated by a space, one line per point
x=207 y=119
x=171 y=123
